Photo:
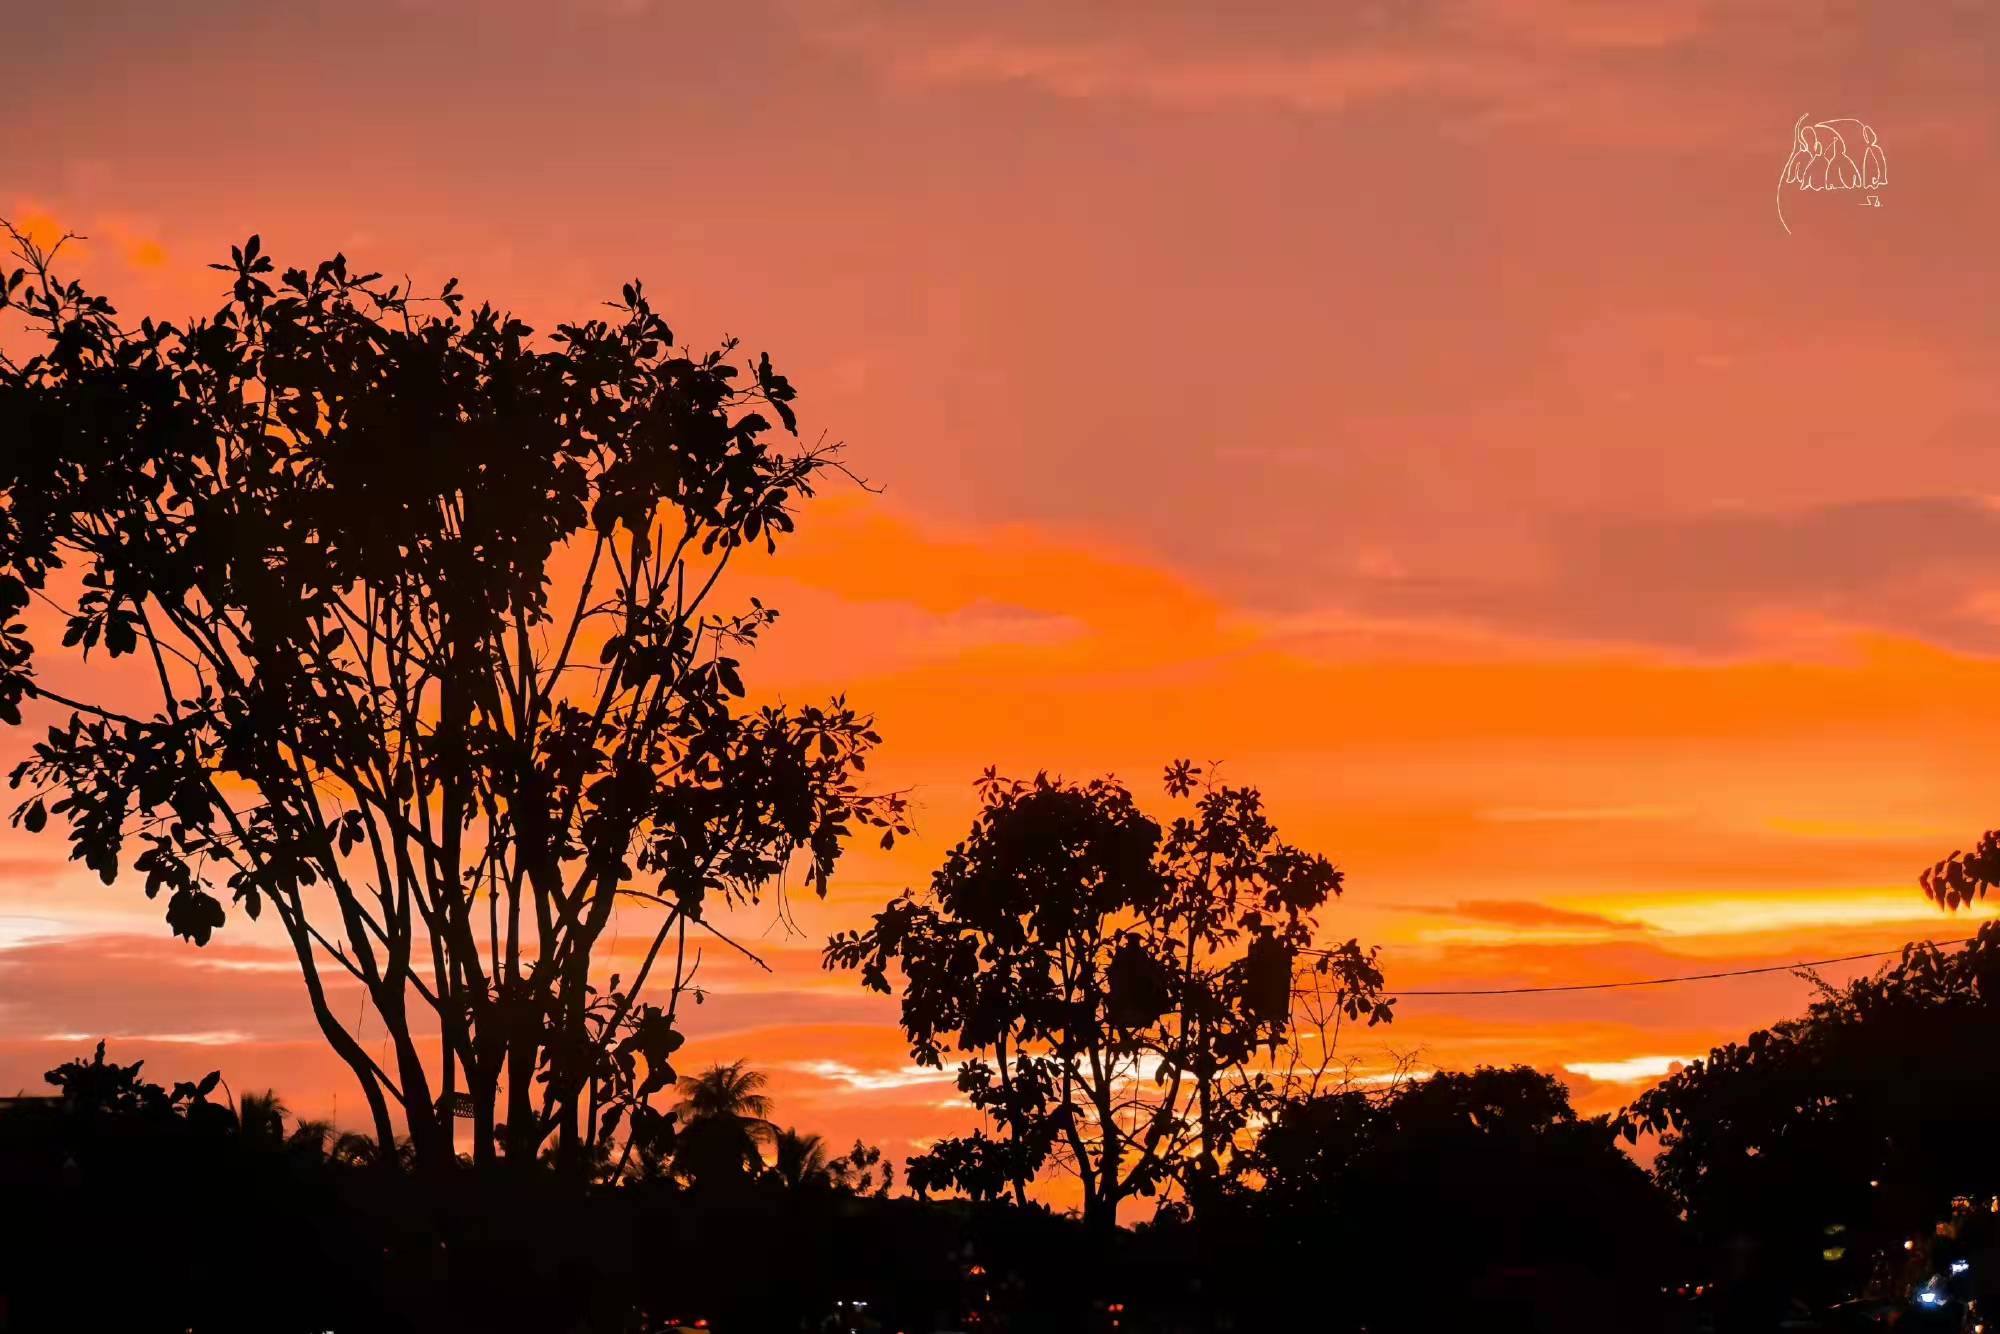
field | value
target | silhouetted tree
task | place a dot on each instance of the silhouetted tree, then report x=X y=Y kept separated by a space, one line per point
x=1845 y=1131
x=261 y=1118
x=425 y=612
x=99 y=1088
x=798 y=1159
x=724 y=1124
x=311 y=1138
x=1112 y=985
x=134 y=1180
x=351 y=1148
x=862 y=1170
x=1475 y=1200
x=137 y=1207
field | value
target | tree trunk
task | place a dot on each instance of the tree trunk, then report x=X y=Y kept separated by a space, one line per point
x=522 y=1136
x=427 y=1145
x=483 y=1093
x=1204 y=1090
x=378 y=1109
x=1013 y=1124
x=336 y=1034
x=1107 y=1166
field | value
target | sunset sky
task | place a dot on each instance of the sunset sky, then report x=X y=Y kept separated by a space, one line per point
x=1419 y=408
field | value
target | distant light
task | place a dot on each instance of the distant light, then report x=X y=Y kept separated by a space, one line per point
x=1909 y=1245
x=1930 y=1297
x=1960 y=1266
x=1833 y=1253
x=1875 y=1184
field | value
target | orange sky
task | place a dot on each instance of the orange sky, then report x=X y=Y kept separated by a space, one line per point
x=1418 y=407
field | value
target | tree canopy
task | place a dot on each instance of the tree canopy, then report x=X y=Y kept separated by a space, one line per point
x=1108 y=984
x=1850 y=1128
x=422 y=609
x=724 y=1123
x=1476 y=1199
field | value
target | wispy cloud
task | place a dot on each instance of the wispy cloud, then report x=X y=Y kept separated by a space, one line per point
x=1311 y=58
x=17 y=930
x=1742 y=913
x=1494 y=62
x=220 y=1037
x=871 y=1081
x=1528 y=913
x=1629 y=1070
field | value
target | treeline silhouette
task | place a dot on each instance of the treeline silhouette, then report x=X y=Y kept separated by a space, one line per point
x=1838 y=1163
x=1458 y=1196
x=382 y=622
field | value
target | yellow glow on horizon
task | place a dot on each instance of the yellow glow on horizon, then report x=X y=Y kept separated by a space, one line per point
x=1742 y=914
x=1629 y=1070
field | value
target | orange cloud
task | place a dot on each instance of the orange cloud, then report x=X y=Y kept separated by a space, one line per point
x=143 y=253
x=37 y=225
x=40 y=226
x=1522 y=912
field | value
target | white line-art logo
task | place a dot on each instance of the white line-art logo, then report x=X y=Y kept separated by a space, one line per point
x=1837 y=154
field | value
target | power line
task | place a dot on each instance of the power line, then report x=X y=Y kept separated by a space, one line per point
x=1669 y=981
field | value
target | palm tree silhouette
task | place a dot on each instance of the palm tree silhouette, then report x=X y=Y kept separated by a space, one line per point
x=726 y=1090
x=260 y=1118
x=800 y=1159
x=311 y=1138
x=353 y=1149
x=723 y=1113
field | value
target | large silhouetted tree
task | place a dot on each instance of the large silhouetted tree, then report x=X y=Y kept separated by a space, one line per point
x=1847 y=1129
x=1110 y=985
x=414 y=646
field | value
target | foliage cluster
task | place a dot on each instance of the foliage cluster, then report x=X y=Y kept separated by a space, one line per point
x=1108 y=984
